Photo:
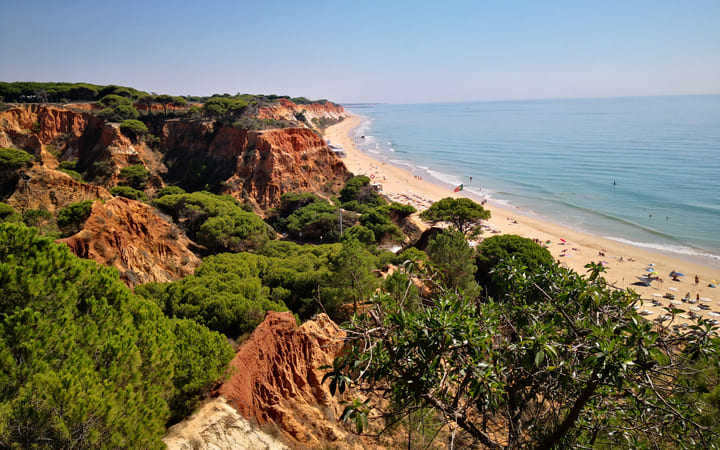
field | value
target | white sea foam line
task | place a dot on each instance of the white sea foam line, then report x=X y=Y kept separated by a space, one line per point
x=668 y=248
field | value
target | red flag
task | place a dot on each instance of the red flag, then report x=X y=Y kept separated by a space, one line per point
x=459 y=188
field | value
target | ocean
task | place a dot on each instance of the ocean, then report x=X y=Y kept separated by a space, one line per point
x=640 y=170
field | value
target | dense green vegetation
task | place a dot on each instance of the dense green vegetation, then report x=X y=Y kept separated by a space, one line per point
x=129 y=192
x=231 y=293
x=558 y=361
x=133 y=128
x=71 y=218
x=217 y=222
x=13 y=159
x=135 y=176
x=464 y=214
x=496 y=249
x=28 y=91
x=84 y=361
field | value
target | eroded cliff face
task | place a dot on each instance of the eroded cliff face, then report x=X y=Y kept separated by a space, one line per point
x=278 y=382
x=286 y=110
x=133 y=238
x=43 y=188
x=58 y=134
x=258 y=166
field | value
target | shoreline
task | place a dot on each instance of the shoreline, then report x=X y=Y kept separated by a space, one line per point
x=572 y=248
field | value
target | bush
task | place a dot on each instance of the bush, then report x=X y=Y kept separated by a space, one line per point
x=358 y=188
x=133 y=128
x=451 y=254
x=113 y=100
x=75 y=175
x=496 y=249
x=13 y=159
x=378 y=221
x=119 y=113
x=135 y=176
x=170 y=190
x=218 y=222
x=8 y=213
x=129 y=192
x=71 y=217
x=84 y=361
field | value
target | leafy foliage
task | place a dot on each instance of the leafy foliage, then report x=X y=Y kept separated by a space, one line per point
x=358 y=189
x=114 y=100
x=307 y=217
x=83 y=359
x=561 y=361
x=13 y=159
x=493 y=250
x=220 y=107
x=218 y=222
x=8 y=213
x=28 y=91
x=135 y=176
x=463 y=213
x=133 y=128
x=453 y=258
x=71 y=217
x=170 y=190
x=119 y=113
x=129 y=192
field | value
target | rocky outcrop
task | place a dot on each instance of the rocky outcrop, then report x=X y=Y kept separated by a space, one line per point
x=42 y=188
x=133 y=238
x=218 y=426
x=287 y=160
x=286 y=110
x=277 y=380
x=54 y=134
x=258 y=166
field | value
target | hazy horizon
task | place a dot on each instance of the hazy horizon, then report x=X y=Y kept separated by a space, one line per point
x=404 y=52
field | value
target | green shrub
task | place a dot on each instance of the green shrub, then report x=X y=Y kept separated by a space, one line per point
x=119 y=113
x=84 y=361
x=113 y=100
x=133 y=128
x=358 y=188
x=37 y=217
x=71 y=217
x=135 y=176
x=75 y=175
x=8 y=213
x=378 y=220
x=129 y=192
x=495 y=249
x=170 y=190
x=13 y=159
x=217 y=222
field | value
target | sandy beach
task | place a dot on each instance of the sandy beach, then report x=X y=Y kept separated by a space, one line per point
x=571 y=248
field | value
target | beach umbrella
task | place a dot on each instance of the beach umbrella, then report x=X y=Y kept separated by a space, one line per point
x=650 y=269
x=680 y=274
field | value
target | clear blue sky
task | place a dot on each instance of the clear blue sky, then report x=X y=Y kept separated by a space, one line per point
x=368 y=51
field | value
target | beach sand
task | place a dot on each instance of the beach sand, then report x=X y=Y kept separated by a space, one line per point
x=623 y=262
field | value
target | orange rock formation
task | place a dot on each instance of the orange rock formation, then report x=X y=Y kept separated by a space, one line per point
x=286 y=109
x=277 y=380
x=131 y=237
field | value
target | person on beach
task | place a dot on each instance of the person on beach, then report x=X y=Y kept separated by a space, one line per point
x=697 y=280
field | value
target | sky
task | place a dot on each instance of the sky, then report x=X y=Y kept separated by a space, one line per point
x=369 y=51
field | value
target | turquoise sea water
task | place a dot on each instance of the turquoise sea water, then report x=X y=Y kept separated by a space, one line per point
x=642 y=170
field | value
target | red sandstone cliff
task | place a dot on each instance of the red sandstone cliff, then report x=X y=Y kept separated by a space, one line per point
x=277 y=380
x=131 y=237
x=258 y=165
x=42 y=188
x=286 y=110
